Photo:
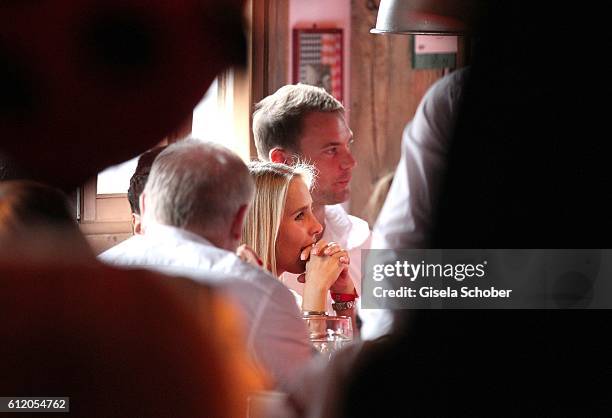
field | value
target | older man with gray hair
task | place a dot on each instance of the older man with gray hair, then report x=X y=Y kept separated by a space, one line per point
x=193 y=207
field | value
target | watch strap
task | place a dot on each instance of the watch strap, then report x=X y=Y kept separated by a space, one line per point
x=342 y=306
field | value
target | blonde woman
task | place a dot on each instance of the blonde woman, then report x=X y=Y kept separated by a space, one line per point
x=282 y=229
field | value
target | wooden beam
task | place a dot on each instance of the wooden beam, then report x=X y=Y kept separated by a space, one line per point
x=385 y=92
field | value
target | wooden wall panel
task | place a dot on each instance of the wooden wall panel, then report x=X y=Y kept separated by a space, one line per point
x=268 y=55
x=385 y=93
x=278 y=35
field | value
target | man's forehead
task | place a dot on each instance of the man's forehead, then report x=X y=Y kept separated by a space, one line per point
x=322 y=129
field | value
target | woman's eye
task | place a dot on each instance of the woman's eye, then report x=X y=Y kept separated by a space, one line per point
x=299 y=216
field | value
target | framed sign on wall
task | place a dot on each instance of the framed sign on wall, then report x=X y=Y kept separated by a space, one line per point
x=317 y=59
x=432 y=51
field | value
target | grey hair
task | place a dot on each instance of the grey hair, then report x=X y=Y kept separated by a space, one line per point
x=277 y=121
x=196 y=184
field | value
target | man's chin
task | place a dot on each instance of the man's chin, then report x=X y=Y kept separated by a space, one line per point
x=333 y=198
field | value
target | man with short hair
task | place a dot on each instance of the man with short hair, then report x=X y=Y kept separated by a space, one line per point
x=306 y=122
x=137 y=184
x=302 y=122
x=193 y=207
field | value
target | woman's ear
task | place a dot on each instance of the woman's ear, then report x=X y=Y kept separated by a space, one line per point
x=279 y=155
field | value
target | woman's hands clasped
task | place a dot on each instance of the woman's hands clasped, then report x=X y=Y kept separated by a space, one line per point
x=326 y=269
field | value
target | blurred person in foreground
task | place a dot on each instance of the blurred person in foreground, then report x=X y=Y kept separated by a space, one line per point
x=36 y=221
x=193 y=208
x=407 y=216
x=524 y=171
x=119 y=343
x=10 y=169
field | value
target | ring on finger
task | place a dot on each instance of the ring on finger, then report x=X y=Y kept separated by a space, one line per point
x=329 y=248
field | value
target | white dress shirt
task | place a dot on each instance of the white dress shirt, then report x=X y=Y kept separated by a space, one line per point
x=276 y=335
x=405 y=220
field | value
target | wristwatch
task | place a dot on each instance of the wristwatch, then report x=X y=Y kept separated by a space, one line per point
x=342 y=306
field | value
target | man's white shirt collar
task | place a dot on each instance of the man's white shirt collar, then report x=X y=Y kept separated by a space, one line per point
x=347 y=230
x=160 y=231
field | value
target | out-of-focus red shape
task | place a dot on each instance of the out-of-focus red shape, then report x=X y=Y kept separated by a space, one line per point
x=90 y=83
x=119 y=343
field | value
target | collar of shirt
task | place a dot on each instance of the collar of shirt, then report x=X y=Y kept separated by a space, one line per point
x=160 y=232
x=348 y=231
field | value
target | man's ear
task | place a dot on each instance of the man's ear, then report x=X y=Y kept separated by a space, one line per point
x=279 y=155
x=143 y=208
x=141 y=204
x=136 y=224
x=236 y=229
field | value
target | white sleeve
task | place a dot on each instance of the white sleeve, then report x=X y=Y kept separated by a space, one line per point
x=405 y=219
x=280 y=341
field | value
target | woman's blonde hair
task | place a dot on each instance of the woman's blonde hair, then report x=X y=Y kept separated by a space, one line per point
x=263 y=220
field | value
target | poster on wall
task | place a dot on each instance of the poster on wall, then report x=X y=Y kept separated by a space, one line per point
x=317 y=59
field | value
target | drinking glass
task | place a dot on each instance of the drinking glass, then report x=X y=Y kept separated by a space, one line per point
x=329 y=333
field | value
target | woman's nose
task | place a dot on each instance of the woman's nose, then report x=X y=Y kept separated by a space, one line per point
x=315 y=227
